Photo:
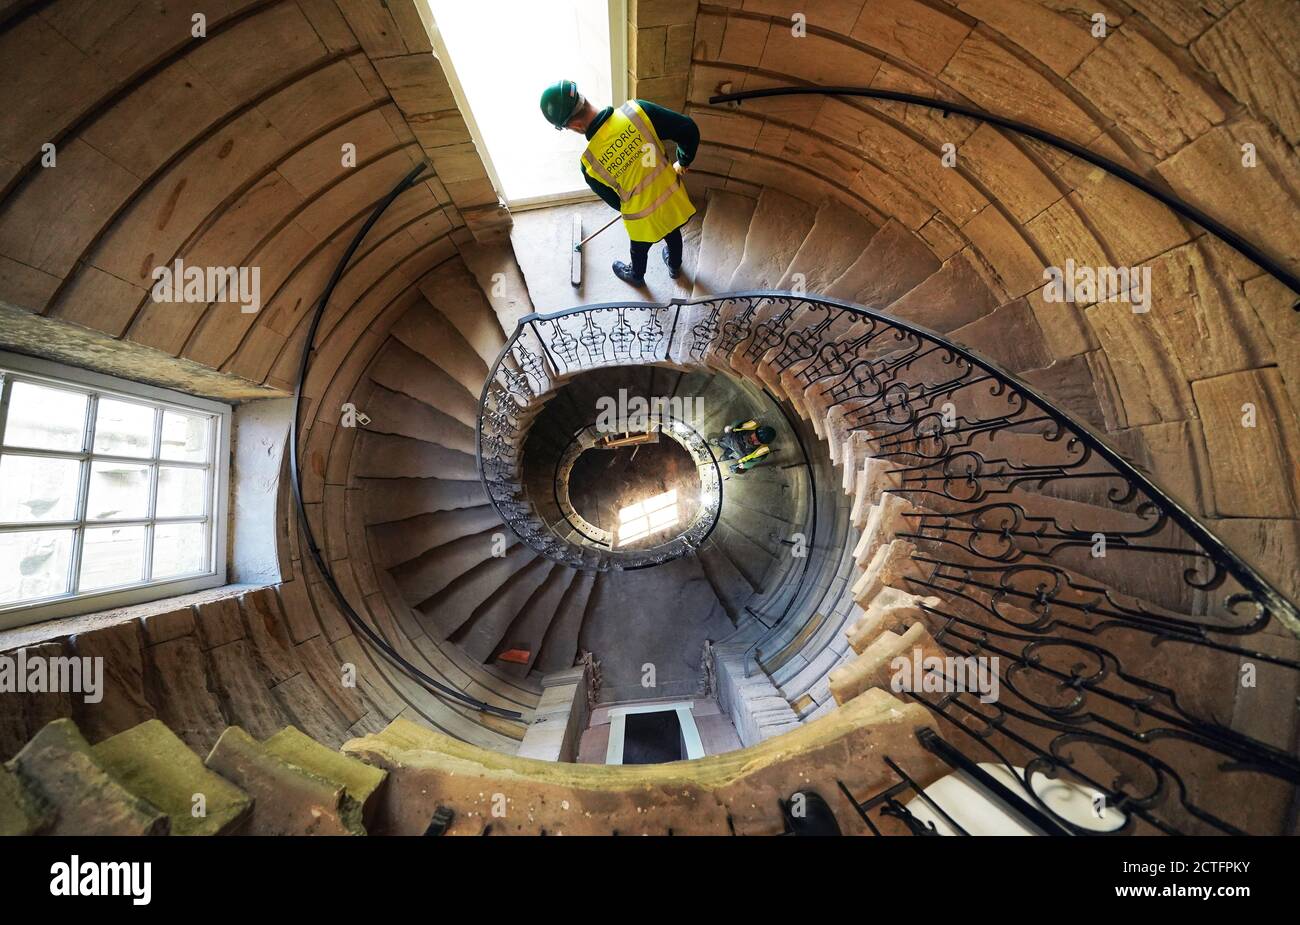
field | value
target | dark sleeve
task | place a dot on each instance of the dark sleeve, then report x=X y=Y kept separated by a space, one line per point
x=681 y=129
x=603 y=191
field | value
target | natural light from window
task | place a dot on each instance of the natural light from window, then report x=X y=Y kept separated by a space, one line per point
x=503 y=71
x=100 y=491
x=640 y=520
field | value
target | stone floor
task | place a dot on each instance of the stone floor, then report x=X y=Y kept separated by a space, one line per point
x=543 y=238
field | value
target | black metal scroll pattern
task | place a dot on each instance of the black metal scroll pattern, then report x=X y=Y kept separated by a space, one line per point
x=1092 y=723
x=1009 y=493
x=1011 y=504
x=542 y=353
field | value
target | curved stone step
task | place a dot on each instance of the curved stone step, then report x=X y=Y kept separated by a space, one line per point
x=362 y=782
x=837 y=238
x=559 y=649
x=894 y=261
x=387 y=500
x=288 y=800
x=425 y=576
x=400 y=369
x=151 y=762
x=722 y=239
x=480 y=635
x=425 y=331
x=401 y=541
x=386 y=456
x=399 y=414
x=531 y=624
x=498 y=274
x=456 y=295
x=777 y=229
x=59 y=768
x=453 y=606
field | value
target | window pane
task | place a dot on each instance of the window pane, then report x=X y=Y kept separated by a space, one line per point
x=179 y=549
x=184 y=437
x=181 y=492
x=111 y=556
x=35 y=488
x=45 y=418
x=34 y=564
x=118 y=491
x=123 y=428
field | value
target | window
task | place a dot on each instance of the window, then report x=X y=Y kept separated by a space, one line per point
x=638 y=521
x=111 y=492
x=498 y=76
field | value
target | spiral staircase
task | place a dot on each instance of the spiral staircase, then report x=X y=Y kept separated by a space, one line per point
x=952 y=482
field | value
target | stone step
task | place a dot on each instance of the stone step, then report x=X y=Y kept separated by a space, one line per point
x=498 y=275
x=151 y=762
x=398 y=368
x=288 y=799
x=722 y=241
x=837 y=238
x=529 y=628
x=778 y=228
x=428 y=574
x=59 y=769
x=400 y=415
x=389 y=500
x=362 y=782
x=424 y=330
x=403 y=540
x=894 y=261
x=481 y=634
x=455 y=293
x=559 y=648
x=452 y=607
x=21 y=811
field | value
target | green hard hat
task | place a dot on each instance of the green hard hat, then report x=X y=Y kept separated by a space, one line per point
x=559 y=102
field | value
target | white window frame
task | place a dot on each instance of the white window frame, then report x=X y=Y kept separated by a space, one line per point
x=15 y=367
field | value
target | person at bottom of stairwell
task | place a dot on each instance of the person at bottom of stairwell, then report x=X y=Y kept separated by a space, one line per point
x=747 y=442
x=625 y=164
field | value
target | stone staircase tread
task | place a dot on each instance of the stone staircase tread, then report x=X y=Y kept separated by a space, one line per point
x=153 y=763
x=58 y=766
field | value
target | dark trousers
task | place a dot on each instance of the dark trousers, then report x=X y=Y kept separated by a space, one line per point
x=641 y=250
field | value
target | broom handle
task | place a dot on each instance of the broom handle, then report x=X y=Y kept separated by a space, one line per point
x=579 y=245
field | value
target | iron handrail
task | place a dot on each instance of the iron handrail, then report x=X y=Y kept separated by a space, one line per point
x=1286 y=611
x=358 y=623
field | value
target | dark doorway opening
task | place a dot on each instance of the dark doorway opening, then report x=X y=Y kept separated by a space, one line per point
x=652 y=738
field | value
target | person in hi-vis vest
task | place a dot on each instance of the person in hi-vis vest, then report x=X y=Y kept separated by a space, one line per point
x=626 y=165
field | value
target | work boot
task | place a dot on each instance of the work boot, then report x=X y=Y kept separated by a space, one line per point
x=673 y=271
x=625 y=272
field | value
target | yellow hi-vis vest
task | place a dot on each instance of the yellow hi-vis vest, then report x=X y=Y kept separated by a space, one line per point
x=627 y=155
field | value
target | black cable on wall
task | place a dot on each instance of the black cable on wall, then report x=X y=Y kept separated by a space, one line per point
x=358 y=623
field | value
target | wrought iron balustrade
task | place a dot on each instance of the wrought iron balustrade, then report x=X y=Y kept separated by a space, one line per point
x=1121 y=624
